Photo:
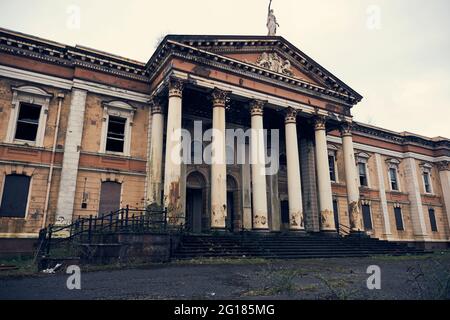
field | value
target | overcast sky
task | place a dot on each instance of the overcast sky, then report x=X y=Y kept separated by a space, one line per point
x=393 y=52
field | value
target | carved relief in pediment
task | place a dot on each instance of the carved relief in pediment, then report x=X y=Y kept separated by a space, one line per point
x=274 y=62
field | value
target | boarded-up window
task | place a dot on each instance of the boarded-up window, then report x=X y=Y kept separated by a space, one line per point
x=399 y=218
x=28 y=122
x=367 y=217
x=15 y=196
x=110 y=197
x=115 y=140
x=433 y=223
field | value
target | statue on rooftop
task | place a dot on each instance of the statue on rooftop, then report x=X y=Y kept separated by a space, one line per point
x=272 y=23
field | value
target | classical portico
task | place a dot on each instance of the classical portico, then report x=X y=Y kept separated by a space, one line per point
x=252 y=102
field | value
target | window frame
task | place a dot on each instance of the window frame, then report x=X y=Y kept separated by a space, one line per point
x=398 y=207
x=34 y=96
x=121 y=110
x=332 y=152
x=393 y=164
x=426 y=169
x=30 y=189
x=367 y=204
x=363 y=158
x=435 y=220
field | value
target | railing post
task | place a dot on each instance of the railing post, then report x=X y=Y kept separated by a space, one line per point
x=165 y=219
x=111 y=216
x=50 y=231
x=81 y=229
x=127 y=211
x=90 y=230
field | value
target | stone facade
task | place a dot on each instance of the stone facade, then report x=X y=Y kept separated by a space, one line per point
x=223 y=85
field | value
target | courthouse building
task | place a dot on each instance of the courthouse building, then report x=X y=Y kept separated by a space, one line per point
x=84 y=132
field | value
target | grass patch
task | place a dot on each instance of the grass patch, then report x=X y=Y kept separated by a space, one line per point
x=219 y=261
x=25 y=267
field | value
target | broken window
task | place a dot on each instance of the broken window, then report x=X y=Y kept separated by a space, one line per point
x=28 y=122
x=115 y=140
x=15 y=196
x=394 y=180
x=363 y=181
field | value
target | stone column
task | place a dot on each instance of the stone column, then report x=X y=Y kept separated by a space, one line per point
x=72 y=147
x=156 y=153
x=257 y=151
x=351 y=178
x=219 y=164
x=444 y=175
x=173 y=159
x=293 y=172
x=323 y=177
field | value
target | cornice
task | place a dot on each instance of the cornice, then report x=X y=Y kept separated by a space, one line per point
x=400 y=139
x=71 y=57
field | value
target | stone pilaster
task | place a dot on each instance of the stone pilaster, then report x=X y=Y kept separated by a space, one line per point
x=323 y=177
x=72 y=148
x=444 y=175
x=173 y=160
x=259 y=185
x=154 y=174
x=413 y=189
x=296 y=217
x=351 y=178
x=383 y=198
x=218 y=165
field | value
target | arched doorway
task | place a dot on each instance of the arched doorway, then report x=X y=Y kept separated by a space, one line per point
x=233 y=219
x=195 y=190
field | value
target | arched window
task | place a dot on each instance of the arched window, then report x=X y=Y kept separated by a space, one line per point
x=15 y=196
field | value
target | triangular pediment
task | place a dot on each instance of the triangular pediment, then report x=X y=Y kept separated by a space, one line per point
x=272 y=57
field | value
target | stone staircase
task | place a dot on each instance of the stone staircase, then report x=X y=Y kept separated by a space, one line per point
x=286 y=246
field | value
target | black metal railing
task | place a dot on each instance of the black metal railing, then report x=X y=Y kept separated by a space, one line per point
x=86 y=230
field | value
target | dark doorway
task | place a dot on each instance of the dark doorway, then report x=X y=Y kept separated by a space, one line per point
x=336 y=214
x=110 y=197
x=194 y=208
x=284 y=215
x=230 y=211
x=367 y=217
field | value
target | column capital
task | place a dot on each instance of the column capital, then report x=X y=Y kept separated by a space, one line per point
x=219 y=97
x=443 y=166
x=257 y=107
x=290 y=115
x=346 y=129
x=320 y=123
x=156 y=105
x=176 y=87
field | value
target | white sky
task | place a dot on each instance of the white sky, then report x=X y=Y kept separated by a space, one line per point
x=401 y=68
